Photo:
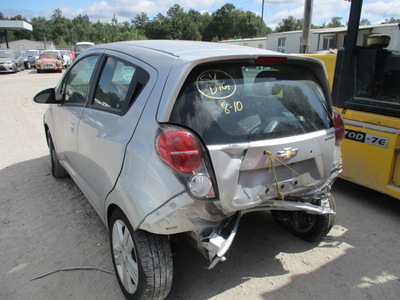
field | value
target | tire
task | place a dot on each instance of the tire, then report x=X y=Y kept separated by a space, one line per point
x=142 y=260
x=311 y=228
x=57 y=170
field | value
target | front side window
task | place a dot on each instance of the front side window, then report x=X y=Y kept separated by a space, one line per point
x=76 y=86
x=239 y=103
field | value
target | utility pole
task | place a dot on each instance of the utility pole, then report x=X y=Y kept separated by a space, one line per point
x=262 y=17
x=305 y=38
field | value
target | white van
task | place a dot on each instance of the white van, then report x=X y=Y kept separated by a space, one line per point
x=81 y=46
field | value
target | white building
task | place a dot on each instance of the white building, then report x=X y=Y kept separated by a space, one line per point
x=260 y=42
x=330 y=38
x=320 y=39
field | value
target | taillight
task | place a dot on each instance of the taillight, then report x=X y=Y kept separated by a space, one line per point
x=180 y=150
x=338 y=123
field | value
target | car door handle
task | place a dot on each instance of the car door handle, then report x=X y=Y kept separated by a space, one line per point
x=72 y=127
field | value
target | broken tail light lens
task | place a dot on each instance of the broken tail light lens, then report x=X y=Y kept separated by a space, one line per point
x=338 y=123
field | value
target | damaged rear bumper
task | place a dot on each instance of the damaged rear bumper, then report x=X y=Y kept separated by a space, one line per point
x=212 y=231
x=219 y=241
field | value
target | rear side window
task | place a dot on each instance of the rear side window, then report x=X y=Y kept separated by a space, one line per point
x=236 y=103
x=119 y=84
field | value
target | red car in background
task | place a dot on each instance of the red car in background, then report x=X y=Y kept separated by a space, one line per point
x=72 y=54
x=49 y=61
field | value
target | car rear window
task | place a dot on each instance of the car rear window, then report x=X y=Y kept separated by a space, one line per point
x=233 y=103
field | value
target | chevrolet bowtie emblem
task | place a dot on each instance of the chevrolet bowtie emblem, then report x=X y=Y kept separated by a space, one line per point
x=287 y=153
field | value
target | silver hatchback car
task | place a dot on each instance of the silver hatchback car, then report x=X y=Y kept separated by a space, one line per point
x=172 y=138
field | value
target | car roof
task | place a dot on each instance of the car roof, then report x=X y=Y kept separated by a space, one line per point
x=193 y=49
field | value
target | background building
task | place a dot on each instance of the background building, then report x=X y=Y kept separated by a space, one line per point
x=321 y=39
x=28 y=45
x=260 y=42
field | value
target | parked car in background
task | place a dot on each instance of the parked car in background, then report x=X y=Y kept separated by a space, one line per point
x=49 y=61
x=71 y=53
x=33 y=55
x=172 y=138
x=25 y=56
x=66 y=57
x=81 y=46
x=11 y=61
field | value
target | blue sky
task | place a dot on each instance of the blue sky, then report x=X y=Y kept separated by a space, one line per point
x=274 y=10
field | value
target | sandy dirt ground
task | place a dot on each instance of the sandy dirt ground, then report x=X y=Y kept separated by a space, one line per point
x=46 y=225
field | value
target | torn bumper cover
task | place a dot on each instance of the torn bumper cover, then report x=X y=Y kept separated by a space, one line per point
x=220 y=240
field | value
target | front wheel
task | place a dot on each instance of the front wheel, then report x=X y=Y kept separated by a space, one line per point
x=142 y=260
x=311 y=228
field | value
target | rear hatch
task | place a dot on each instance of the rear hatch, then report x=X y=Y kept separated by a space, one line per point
x=266 y=126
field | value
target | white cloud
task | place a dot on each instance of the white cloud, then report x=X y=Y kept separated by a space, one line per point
x=127 y=9
x=379 y=10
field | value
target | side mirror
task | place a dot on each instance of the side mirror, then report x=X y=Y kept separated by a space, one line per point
x=46 y=96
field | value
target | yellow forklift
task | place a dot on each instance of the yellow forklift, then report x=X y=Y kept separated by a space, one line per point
x=366 y=92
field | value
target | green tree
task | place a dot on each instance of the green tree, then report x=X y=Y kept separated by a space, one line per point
x=289 y=24
x=365 y=22
x=391 y=20
x=157 y=28
x=81 y=30
x=40 y=29
x=140 y=21
x=335 y=22
x=250 y=25
x=223 y=23
x=98 y=34
x=60 y=25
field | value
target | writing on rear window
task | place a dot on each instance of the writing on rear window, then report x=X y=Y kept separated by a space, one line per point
x=216 y=84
